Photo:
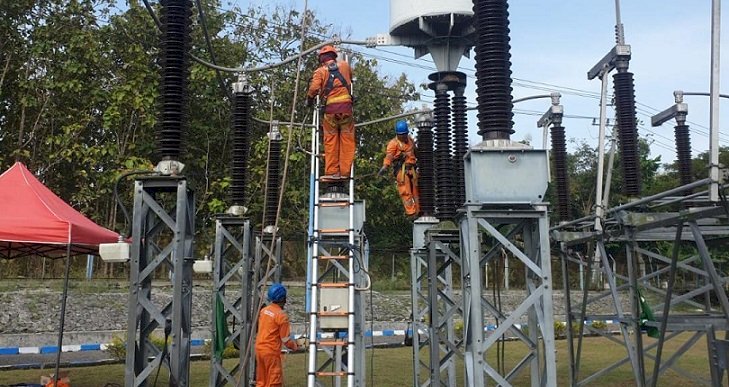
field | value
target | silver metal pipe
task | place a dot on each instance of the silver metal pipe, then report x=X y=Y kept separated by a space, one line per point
x=647 y=199
x=619 y=32
x=714 y=100
x=663 y=194
x=704 y=94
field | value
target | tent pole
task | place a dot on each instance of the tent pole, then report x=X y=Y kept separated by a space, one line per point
x=63 y=314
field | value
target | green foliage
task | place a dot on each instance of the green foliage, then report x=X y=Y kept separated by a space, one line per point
x=598 y=325
x=230 y=351
x=79 y=97
x=560 y=329
x=118 y=346
x=575 y=328
x=386 y=284
x=458 y=326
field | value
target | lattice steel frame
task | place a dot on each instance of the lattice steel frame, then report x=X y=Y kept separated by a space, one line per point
x=162 y=236
x=266 y=251
x=694 y=223
x=523 y=231
x=435 y=308
x=232 y=271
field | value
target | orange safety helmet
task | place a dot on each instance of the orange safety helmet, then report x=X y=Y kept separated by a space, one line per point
x=328 y=49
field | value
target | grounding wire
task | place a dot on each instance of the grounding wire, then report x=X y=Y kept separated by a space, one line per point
x=209 y=44
x=283 y=180
x=519 y=81
x=301 y=54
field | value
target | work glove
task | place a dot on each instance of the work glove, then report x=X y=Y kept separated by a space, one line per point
x=302 y=342
x=382 y=171
x=310 y=101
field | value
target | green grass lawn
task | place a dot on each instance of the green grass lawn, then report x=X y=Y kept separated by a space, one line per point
x=393 y=367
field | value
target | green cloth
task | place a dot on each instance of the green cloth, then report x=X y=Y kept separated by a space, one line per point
x=221 y=328
x=646 y=314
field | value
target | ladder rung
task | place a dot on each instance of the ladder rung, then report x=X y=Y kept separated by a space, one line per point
x=333 y=314
x=331 y=373
x=324 y=257
x=333 y=230
x=331 y=179
x=334 y=284
x=333 y=343
x=334 y=204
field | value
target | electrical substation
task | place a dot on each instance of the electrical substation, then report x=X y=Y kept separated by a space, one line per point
x=482 y=205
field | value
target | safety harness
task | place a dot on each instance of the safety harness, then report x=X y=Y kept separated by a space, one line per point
x=334 y=74
x=399 y=163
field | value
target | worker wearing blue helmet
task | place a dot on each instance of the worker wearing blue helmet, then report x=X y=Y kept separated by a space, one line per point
x=401 y=155
x=274 y=330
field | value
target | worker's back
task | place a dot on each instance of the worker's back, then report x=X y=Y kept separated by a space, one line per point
x=331 y=88
x=273 y=326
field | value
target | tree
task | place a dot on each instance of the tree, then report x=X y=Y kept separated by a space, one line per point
x=79 y=104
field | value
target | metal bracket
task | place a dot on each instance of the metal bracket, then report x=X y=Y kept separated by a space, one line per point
x=679 y=108
x=621 y=52
x=553 y=115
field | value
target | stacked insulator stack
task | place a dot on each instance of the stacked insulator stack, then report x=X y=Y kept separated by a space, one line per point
x=460 y=145
x=559 y=166
x=683 y=153
x=493 y=69
x=273 y=181
x=241 y=123
x=627 y=132
x=426 y=178
x=175 y=61
x=445 y=191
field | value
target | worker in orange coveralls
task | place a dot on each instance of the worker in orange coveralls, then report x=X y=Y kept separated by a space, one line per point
x=400 y=154
x=332 y=82
x=273 y=331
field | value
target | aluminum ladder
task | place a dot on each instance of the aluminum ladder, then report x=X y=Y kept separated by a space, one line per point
x=331 y=278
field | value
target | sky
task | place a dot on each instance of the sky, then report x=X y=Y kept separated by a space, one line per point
x=553 y=45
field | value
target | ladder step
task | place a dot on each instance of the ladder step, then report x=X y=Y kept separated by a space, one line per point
x=343 y=203
x=331 y=373
x=333 y=314
x=325 y=257
x=333 y=284
x=333 y=179
x=333 y=230
x=333 y=343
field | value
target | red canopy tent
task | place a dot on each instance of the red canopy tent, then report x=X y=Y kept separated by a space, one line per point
x=34 y=221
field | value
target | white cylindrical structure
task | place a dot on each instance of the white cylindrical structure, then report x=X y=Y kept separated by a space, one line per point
x=443 y=29
x=404 y=12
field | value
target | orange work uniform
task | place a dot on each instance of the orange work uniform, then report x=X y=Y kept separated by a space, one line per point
x=402 y=155
x=338 y=122
x=273 y=330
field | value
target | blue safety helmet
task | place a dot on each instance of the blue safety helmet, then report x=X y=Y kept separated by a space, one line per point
x=276 y=293
x=401 y=127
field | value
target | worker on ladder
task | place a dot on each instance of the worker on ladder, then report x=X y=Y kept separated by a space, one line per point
x=401 y=155
x=274 y=330
x=332 y=82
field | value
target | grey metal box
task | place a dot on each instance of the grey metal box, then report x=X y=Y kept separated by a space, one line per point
x=333 y=300
x=338 y=217
x=506 y=175
x=420 y=226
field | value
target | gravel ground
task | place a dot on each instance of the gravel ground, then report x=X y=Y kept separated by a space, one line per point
x=35 y=310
